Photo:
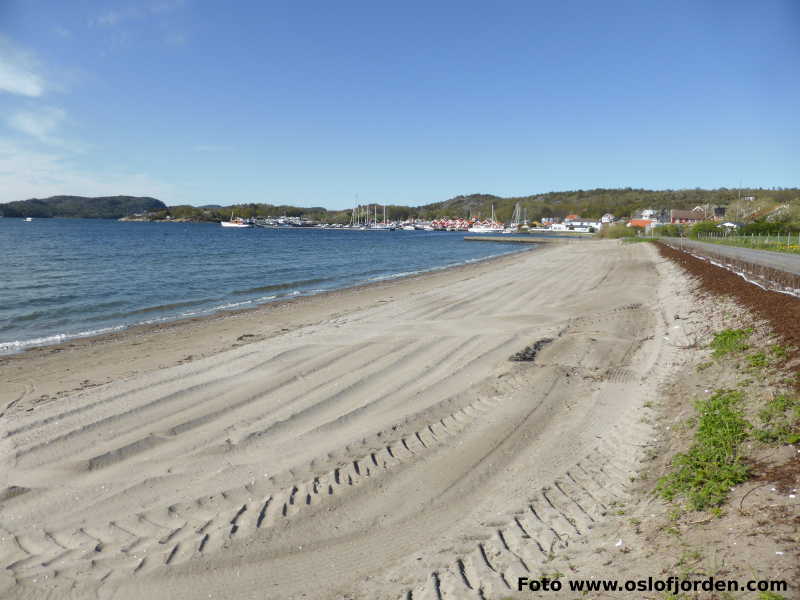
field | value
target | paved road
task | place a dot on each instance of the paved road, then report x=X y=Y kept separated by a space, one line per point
x=776 y=260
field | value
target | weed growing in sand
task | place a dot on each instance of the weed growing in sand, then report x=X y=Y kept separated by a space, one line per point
x=779 y=420
x=705 y=474
x=729 y=341
x=779 y=352
x=758 y=360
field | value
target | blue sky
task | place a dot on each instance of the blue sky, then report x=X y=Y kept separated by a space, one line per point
x=313 y=103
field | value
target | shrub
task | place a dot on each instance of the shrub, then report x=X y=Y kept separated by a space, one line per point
x=703 y=227
x=618 y=230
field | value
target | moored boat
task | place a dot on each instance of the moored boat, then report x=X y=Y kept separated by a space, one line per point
x=237 y=222
x=491 y=226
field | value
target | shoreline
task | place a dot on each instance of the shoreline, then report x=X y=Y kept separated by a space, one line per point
x=365 y=436
x=181 y=340
x=17 y=347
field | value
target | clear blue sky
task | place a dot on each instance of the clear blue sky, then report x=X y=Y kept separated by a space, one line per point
x=311 y=103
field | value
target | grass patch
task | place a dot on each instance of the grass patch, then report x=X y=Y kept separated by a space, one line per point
x=730 y=341
x=706 y=472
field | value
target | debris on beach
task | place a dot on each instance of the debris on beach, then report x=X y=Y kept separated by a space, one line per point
x=529 y=353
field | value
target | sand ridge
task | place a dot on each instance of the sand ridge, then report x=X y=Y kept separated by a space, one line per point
x=389 y=450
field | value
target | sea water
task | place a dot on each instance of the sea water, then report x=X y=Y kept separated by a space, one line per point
x=67 y=278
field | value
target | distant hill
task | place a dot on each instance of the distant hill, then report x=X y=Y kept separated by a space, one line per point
x=104 y=207
x=622 y=202
x=594 y=203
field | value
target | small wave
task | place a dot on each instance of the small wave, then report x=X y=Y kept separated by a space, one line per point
x=281 y=286
x=17 y=345
x=161 y=307
x=394 y=275
x=230 y=305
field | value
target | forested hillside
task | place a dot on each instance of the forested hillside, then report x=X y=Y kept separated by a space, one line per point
x=104 y=207
x=587 y=203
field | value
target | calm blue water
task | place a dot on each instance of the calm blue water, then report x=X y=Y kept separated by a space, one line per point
x=63 y=278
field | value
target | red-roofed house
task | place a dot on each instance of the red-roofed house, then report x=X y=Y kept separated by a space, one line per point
x=643 y=223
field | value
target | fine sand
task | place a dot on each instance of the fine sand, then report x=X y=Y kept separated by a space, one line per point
x=370 y=443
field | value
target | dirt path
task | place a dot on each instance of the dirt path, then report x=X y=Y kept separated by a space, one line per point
x=388 y=451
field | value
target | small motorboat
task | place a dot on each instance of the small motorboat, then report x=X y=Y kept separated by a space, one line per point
x=237 y=222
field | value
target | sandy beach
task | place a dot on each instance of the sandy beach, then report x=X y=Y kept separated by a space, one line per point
x=368 y=443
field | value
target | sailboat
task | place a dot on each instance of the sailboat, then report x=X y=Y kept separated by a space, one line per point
x=516 y=220
x=491 y=227
x=381 y=227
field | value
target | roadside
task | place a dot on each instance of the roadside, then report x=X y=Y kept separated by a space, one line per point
x=716 y=495
x=788 y=243
x=784 y=261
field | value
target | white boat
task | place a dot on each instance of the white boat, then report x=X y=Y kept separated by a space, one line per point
x=409 y=228
x=234 y=224
x=491 y=227
x=28 y=219
x=518 y=220
x=237 y=222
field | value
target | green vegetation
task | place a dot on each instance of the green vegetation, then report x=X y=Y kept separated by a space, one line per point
x=106 y=207
x=789 y=243
x=779 y=352
x=706 y=472
x=758 y=360
x=770 y=596
x=779 y=421
x=590 y=204
x=703 y=475
x=700 y=229
x=670 y=230
x=619 y=230
x=730 y=341
x=636 y=240
x=778 y=230
x=594 y=203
